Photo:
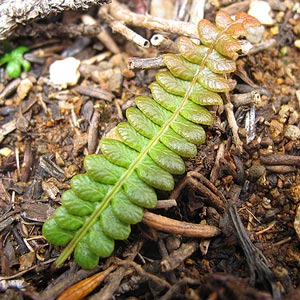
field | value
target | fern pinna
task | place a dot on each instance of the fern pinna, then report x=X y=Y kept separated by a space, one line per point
x=144 y=152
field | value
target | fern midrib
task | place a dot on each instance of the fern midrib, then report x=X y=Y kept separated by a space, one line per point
x=119 y=184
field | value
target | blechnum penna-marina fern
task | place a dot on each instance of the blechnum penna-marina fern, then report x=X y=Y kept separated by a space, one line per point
x=144 y=152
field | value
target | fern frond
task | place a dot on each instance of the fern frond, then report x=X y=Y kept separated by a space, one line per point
x=147 y=150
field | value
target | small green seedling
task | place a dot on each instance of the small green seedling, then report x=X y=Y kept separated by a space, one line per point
x=15 y=61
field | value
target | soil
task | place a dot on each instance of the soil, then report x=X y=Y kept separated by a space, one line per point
x=46 y=132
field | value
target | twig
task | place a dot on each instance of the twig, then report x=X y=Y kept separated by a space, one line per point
x=262 y=46
x=214 y=174
x=166 y=203
x=95 y=92
x=277 y=159
x=179 y=227
x=25 y=271
x=14 y=13
x=119 y=27
x=103 y=36
x=145 y=63
x=197 y=11
x=178 y=256
x=177 y=287
x=9 y=89
x=232 y=123
x=281 y=169
x=142 y=272
x=122 y=13
x=164 y=44
x=208 y=189
x=245 y=99
x=93 y=132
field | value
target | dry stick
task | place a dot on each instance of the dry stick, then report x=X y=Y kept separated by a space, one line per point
x=177 y=287
x=197 y=11
x=142 y=272
x=164 y=44
x=179 y=227
x=114 y=279
x=214 y=174
x=122 y=13
x=14 y=13
x=208 y=189
x=165 y=203
x=245 y=99
x=278 y=159
x=11 y=125
x=93 y=132
x=281 y=169
x=232 y=123
x=103 y=36
x=178 y=256
x=9 y=89
x=145 y=63
x=95 y=92
x=119 y=27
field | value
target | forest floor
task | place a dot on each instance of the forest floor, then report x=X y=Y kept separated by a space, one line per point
x=46 y=132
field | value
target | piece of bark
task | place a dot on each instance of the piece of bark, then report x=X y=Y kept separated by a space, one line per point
x=179 y=227
x=14 y=13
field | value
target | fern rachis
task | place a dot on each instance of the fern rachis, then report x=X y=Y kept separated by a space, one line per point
x=145 y=151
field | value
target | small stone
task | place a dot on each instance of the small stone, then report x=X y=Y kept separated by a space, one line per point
x=297 y=44
x=65 y=72
x=261 y=10
x=6 y=152
x=276 y=130
x=292 y=132
x=293 y=193
x=255 y=172
x=24 y=88
x=255 y=34
x=274 y=30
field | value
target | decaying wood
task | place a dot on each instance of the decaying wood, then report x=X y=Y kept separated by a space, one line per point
x=145 y=63
x=179 y=227
x=277 y=159
x=20 y=12
x=232 y=123
x=178 y=256
x=122 y=13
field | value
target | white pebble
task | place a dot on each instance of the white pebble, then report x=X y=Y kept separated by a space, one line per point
x=65 y=72
x=292 y=132
x=261 y=10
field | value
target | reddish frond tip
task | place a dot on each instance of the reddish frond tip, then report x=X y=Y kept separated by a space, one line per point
x=207 y=32
x=247 y=20
x=223 y=19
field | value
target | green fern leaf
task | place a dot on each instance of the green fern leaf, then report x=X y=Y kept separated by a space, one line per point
x=55 y=234
x=196 y=53
x=177 y=86
x=143 y=154
x=76 y=206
